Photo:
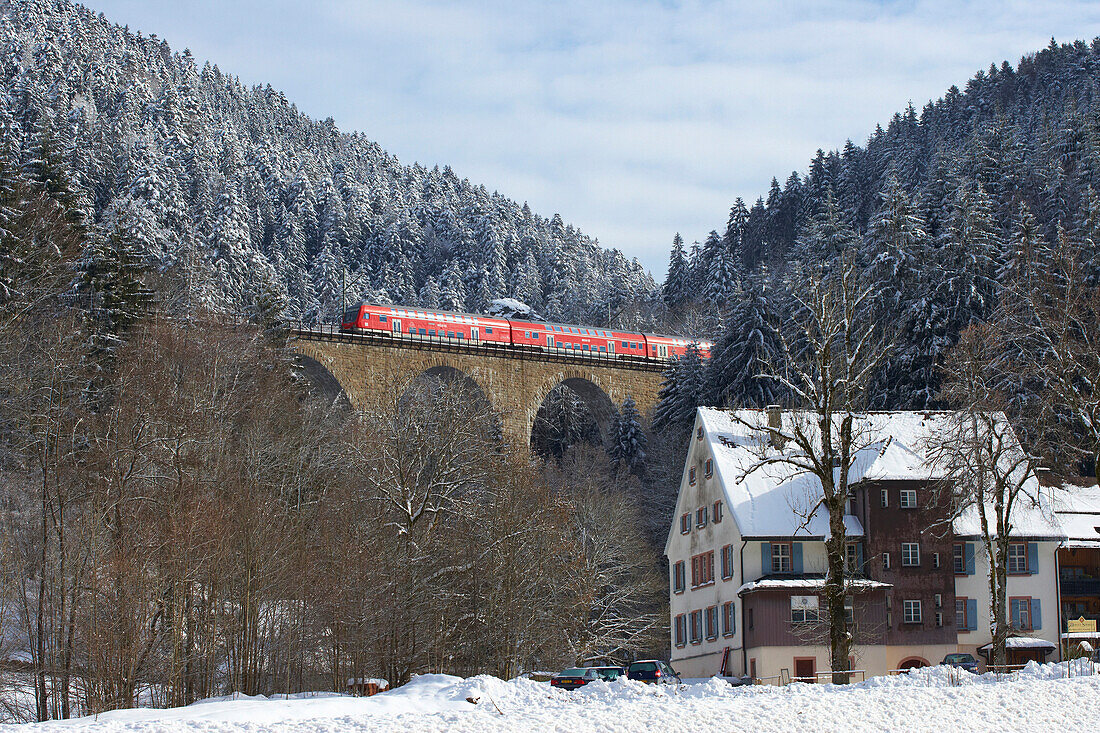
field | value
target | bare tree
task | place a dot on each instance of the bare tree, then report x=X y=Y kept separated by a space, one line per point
x=830 y=355
x=987 y=472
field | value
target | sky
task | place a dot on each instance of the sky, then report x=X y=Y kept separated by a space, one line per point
x=633 y=119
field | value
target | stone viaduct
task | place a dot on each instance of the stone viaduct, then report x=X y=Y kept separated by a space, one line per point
x=514 y=381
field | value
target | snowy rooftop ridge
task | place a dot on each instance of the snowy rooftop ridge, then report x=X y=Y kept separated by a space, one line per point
x=770 y=499
x=1077 y=507
x=808 y=582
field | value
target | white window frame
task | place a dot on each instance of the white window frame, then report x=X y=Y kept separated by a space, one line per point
x=778 y=555
x=1017 y=558
x=886 y=561
x=910 y=554
x=884 y=498
x=911 y=611
x=908 y=499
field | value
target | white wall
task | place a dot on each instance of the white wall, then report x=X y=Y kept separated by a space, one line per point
x=1041 y=585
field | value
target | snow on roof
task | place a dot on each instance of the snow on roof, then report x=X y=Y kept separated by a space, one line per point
x=770 y=498
x=1077 y=508
x=1022 y=642
x=809 y=583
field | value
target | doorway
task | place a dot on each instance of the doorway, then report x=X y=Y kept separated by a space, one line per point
x=805 y=669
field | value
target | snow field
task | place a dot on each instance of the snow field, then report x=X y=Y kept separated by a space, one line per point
x=1039 y=698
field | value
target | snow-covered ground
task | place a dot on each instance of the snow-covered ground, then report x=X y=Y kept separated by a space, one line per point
x=1036 y=699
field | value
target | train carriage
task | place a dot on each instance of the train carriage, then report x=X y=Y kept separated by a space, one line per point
x=424 y=323
x=668 y=347
x=562 y=338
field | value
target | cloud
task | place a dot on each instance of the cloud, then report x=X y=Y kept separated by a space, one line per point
x=632 y=118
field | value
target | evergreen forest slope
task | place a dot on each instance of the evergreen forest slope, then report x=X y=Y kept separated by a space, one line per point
x=938 y=210
x=231 y=198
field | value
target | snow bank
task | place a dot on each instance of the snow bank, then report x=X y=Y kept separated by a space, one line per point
x=1039 y=697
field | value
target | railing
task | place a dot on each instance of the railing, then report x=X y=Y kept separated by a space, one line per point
x=1081 y=587
x=329 y=332
x=784 y=677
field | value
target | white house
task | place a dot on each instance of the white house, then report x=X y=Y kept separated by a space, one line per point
x=746 y=555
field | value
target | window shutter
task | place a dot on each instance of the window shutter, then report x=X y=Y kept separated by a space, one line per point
x=1033 y=558
x=972 y=614
x=859 y=558
x=765 y=557
x=968 y=554
x=796 y=557
x=1036 y=614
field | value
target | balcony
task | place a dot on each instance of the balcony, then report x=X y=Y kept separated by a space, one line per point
x=1080 y=587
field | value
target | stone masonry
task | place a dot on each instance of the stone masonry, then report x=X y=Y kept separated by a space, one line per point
x=368 y=371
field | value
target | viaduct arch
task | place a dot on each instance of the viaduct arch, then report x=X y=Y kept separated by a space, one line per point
x=368 y=370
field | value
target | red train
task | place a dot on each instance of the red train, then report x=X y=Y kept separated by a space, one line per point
x=416 y=323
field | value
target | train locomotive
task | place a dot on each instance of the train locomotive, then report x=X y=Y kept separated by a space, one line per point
x=467 y=328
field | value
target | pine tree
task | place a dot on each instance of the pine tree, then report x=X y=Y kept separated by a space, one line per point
x=627 y=449
x=738 y=359
x=674 y=290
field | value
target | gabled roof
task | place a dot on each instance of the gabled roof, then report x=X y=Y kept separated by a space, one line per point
x=1078 y=510
x=769 y=498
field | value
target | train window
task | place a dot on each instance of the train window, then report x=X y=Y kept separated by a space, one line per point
x=382 y=319
x=488 y=329
x=624 y=344
x=450 y=334
x=633 y=345
x=412 y=329
x=422 y=332
x=459 y=336
x=603 y=349
x=526 y=334
x=431 y=332
x=585 y=347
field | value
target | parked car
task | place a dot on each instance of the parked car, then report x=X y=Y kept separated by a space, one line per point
x=962 y=661
x=609 y=674
x=572 y=678
x=575 y=677
x=653 y=670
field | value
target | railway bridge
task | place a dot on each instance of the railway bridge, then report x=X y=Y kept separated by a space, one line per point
x=515 y=380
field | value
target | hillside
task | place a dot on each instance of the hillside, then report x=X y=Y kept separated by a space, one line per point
x=935 y=209
x=237 y=197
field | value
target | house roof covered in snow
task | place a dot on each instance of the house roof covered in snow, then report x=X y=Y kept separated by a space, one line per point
x=769 y=497
x=807 y=582
x=1078 y=510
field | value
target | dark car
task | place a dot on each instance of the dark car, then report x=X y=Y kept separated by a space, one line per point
x=572 y=678
x=576 y=677
x=652 y=670
x=961 y=661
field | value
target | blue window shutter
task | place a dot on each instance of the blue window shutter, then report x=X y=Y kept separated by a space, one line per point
x=765 y=557
x=972 y=614
x=1033 y=557
x=1036 y=614
x=968 y=554
x=796 y=557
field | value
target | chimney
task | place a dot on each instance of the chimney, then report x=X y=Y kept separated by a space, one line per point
x=775 y=422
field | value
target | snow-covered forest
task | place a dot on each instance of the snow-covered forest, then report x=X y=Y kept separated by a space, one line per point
x=240 y=202
x=939 y=209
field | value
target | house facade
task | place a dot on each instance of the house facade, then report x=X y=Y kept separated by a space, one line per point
x=1077 y=507
x=746 y=557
